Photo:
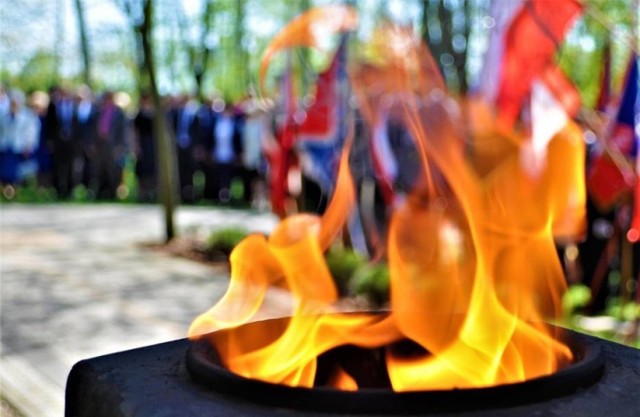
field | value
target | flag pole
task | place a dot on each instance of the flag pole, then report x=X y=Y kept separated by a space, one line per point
x=595 y=123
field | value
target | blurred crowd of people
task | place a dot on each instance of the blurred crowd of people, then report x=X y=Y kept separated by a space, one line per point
x=67 y=138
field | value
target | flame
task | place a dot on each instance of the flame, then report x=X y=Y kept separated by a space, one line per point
x=308 y=30
x=496 y=280
x=343 y=381
x=471 y=255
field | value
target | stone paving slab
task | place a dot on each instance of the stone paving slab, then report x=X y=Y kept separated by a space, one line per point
x=75 y=283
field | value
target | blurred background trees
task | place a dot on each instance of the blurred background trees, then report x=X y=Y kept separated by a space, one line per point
x=214 y=46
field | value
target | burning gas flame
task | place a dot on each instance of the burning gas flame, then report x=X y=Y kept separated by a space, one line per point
x=473 y=267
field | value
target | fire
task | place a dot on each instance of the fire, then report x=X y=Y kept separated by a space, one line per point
x=471 y=255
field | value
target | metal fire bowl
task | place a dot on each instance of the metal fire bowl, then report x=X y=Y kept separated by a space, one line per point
x=205 y=368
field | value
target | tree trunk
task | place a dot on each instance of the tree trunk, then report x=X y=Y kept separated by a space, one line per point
x=198 y=51
x=166 y=158
x=461 y=56
x=452 y=60
x=144 y=83
x=240 y=59
x=200 y=68
x=84 y=44
x=433 y=42
x=445 y=57
x=305 y=60
x=59 y=35
x=424 y=22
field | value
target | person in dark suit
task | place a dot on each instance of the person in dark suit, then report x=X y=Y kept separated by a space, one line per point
x=86 y=136
x=205 y=119
x=225 y=149
x=110 y=144
x=39 y=103
x=145 y=150
x=59 y=127
x=184 y=122
x=207 y=115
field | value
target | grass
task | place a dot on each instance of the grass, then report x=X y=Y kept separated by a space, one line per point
x=32 y=193
x=617 y=323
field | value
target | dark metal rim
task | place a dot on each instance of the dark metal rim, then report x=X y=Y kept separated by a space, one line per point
x=585 y=371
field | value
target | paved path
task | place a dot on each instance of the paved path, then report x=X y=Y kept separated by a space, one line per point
x=75 y=283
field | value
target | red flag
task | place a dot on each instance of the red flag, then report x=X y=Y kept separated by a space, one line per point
x=530 y=43
x=608 y=181
x=280 y=158
x=611 y=177
x=320 y=123
x=321 y=136
x=308 y=29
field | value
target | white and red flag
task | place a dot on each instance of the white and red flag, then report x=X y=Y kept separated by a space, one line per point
x=522 y=45
x=554 y=101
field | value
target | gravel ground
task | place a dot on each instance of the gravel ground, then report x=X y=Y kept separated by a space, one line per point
x=76 y=283
x=6 y=410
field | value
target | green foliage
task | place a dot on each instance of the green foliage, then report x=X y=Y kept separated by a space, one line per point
x=372 y=282
x=235 y=33
x=222 y=242
x=343 y=263
x=355 y=276
x=581 y=56
x=129 y=180
x=576 y=297
x=613 y=325
x=80 y=193
x=236 y=190
x=38 y=73
x=29 y=192
x=630 y=311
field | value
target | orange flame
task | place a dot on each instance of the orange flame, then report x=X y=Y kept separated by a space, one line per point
x=307 y=30
x=474 y=272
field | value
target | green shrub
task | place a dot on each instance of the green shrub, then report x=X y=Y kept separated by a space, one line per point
x=342 y=263
x=577 y=296
x=630 y=311
x=372 y=282
x=221 y=242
